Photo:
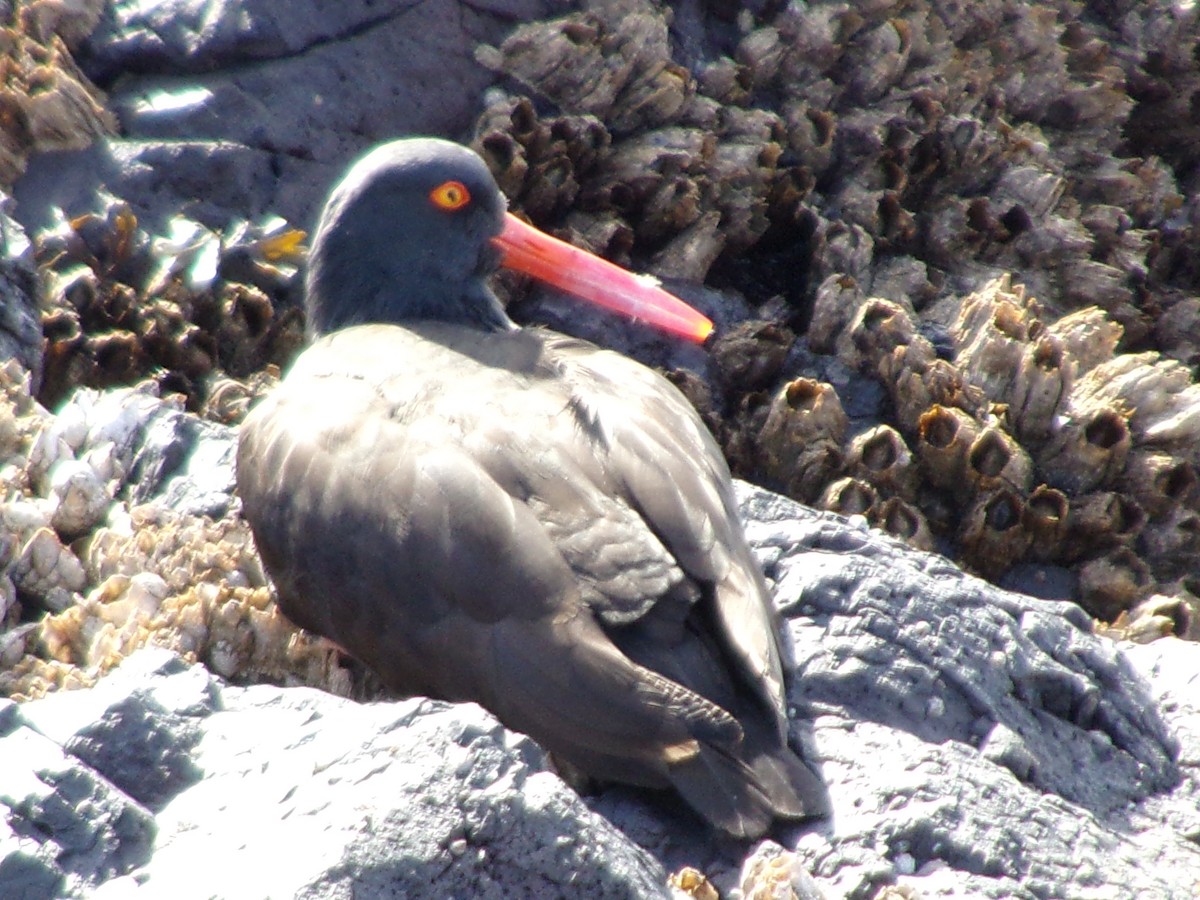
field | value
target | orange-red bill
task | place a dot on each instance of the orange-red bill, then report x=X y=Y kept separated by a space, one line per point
x=575 y=271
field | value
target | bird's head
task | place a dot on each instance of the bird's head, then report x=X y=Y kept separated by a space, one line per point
x=407 y=235
x=418 y=225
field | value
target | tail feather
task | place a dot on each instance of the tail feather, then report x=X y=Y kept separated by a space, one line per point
x=794 y=789
x=744 y=798
x=740 y=787
x=724 y=791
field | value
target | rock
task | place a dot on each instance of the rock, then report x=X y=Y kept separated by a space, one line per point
x=211 y=182
x=46 y=103
x=979 y=742
x=47 y=570
x=125 y=787
x=254 y=107
x=152 y=448
x=974 y=741
x=79 y=496
x=20 y=332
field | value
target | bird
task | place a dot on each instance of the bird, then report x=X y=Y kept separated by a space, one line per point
x=507 y=515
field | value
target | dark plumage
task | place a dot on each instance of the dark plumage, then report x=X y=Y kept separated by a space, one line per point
x=510 y=516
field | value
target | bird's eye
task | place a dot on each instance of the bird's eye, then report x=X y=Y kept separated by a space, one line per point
x=450 y=195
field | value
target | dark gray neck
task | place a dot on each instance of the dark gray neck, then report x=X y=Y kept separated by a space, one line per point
x=330 y=307
x=347 y=287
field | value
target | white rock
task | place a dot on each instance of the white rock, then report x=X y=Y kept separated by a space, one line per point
x=105 y=462
x=79 y=495
x=147 y=590
x=23 y=516
x=119 y=416
x=49 y=447
x=44 y=564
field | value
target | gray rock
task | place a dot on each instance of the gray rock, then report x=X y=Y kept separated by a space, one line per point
x=242 y=107
x=20 y=324
x=977 y=742
x=185 y=461
x=67 y=828
x=162 y=452
x=265 y=791
x=202 y=180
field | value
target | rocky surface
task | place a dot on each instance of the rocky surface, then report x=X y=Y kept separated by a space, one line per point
x=245 y=107
x=1002 y=729
x=295 y=793
x=20 y=323
x=950 y=251
x=975 y=743
x=46 y=102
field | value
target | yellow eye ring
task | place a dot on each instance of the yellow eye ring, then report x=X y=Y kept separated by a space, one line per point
x=450 y=195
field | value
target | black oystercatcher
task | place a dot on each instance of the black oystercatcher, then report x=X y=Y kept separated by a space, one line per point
x=483 y=512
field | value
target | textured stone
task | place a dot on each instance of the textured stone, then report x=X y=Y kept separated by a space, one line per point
x=163 y=781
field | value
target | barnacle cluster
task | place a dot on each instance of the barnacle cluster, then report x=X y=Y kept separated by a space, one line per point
x=638 y=155
x=86 y=577
x=184 y=582
x=190 y=308
x=50 y=497
x=892 y=185
x=46 y=103
x=913 y=147
x=771 y=871
x=1034 y=441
